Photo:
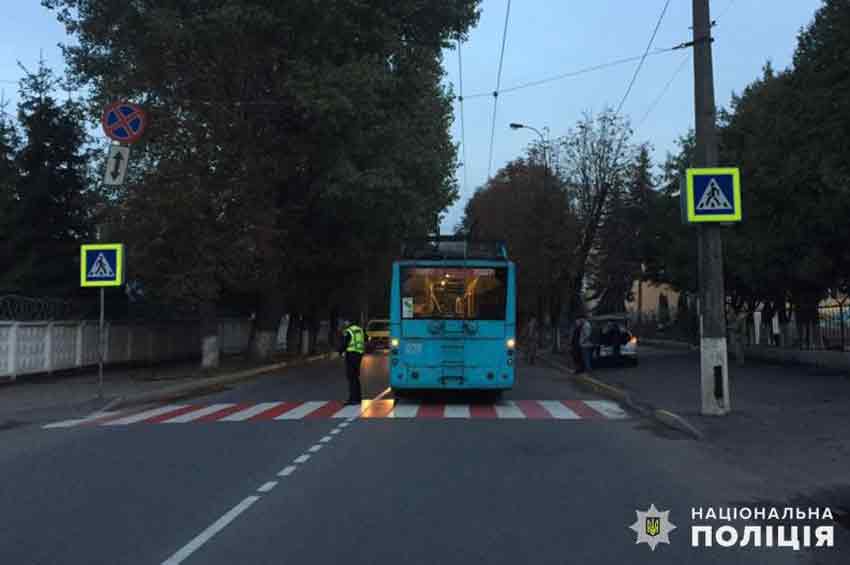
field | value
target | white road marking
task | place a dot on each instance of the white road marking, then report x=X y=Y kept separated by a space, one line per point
x=335 y=431
x=347 y=412
x=145 y=415
x=301 y=411
x=267 y=486
x=508 y=409
x=326 y=439
x=456 y=411
x=302 y=458
x=212 y=530
x=78 y=421
x=249 y=412
x=287 y=471
x=403 y=411
x=607 y=408
x=195 y=414
x=558 y=410
x=315 y=448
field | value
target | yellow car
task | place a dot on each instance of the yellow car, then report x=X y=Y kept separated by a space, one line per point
x=377 y=335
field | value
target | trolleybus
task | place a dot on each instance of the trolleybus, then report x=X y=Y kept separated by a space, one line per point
x=453 y=316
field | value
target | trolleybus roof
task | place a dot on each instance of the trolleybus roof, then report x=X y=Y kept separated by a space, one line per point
x=453 y=247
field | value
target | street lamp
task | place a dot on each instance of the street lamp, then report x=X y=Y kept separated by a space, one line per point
x=543 y=142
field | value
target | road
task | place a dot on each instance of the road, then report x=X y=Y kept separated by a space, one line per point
x=469 y=484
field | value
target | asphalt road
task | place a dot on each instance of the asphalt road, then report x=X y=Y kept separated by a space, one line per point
x=332 y=490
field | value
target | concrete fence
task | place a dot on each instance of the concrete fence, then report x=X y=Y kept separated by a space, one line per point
x=44 y=347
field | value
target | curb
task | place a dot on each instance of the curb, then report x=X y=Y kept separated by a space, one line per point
x=212 y=384
x=665 y=417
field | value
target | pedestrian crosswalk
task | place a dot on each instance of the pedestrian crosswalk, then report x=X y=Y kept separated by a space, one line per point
x=368 y=409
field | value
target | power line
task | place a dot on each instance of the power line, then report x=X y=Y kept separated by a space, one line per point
x=498 y=85
x=462 y=125
x=678 y=70
x=665 y=89
x=646 y=52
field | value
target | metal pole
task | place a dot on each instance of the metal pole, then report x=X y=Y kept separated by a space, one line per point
x=714 y=371
x=100 y=348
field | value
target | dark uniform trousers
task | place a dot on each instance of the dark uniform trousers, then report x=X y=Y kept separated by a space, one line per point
x=352 y=372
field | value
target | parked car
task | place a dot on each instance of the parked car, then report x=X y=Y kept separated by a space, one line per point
x=377 y=335
x=614 y=341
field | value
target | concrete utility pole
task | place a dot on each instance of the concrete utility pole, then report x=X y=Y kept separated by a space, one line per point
x=714 y=370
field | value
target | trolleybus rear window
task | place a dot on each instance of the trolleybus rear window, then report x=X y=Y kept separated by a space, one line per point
x=478 y=293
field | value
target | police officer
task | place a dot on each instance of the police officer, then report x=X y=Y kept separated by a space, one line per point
x=353 y=345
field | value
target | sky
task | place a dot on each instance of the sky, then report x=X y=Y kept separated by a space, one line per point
x=544 y=38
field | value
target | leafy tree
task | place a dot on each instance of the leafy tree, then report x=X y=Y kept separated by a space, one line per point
x=9 y=178
x=305 y=132
x=52 y=201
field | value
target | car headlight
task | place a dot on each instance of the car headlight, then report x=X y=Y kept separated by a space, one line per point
x=510 y=343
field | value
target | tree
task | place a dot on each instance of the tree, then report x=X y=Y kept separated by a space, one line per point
x=52 y=200
x=595 y=159
x=9 y=179
x=297 y=158
x=536 y=223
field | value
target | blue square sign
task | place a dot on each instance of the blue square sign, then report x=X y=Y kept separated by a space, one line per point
x=102 y=265
x=713 y=195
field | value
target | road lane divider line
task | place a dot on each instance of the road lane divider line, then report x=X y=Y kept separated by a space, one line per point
x=286 y=471
x=266 y=487
x=301 y=459
x=325 y=439
x=184 y=552
x=315 y=448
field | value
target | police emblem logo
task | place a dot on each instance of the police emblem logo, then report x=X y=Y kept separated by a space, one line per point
x=653 y=527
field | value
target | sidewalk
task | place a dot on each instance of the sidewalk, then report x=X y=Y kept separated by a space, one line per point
x=42 y=397
x=788 y=424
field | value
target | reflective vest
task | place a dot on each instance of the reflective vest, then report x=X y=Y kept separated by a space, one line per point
x=357 y=341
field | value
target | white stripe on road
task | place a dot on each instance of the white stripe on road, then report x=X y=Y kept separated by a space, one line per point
x=315 y=448
x=207 y=534
x=195 y=414
x=349 y=411
x=301 y=411
x=508 y=409
x=558 y=410
x=140 y=416
x=325 y=439
x=403 y=411
x=335 y=431
x=266 y=487
x=607 y=408
x=287 y=471
x=302 y=459
x=243 y=415
x=78 y=421
x=456 y=411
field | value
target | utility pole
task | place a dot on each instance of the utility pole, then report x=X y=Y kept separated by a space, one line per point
x=714 y=370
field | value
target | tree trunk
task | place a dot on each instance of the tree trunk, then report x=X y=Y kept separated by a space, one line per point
x=292 y=333
x=209 y=337
x=266 y=325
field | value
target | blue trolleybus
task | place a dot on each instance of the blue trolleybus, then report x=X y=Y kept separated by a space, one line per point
x=453 y=316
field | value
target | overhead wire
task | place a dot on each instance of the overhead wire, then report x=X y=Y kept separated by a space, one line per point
x=677 y=71
x=462 y=124
x=496 y=92
x=643 y=58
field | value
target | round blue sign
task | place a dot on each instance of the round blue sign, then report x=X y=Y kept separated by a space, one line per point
x=124 y=122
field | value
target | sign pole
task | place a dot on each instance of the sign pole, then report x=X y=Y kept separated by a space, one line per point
x=714 y=370
x=100 y=347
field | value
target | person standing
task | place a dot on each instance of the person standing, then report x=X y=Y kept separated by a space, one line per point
x=575 y=347
x=353 y=346
x=586 y=343
x=531 y=338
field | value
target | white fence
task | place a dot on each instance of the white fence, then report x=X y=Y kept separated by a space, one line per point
x=39 y=347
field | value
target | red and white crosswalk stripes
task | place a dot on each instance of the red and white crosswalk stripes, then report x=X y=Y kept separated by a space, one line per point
x=316 y=409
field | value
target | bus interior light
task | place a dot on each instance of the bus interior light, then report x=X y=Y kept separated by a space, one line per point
x=394 y=342
x=510 y=342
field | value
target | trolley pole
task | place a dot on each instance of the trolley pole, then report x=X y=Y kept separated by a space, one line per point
x=714 y=370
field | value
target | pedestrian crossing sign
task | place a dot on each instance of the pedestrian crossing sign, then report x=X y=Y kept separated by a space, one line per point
x=713 y=195
x=102 y=264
